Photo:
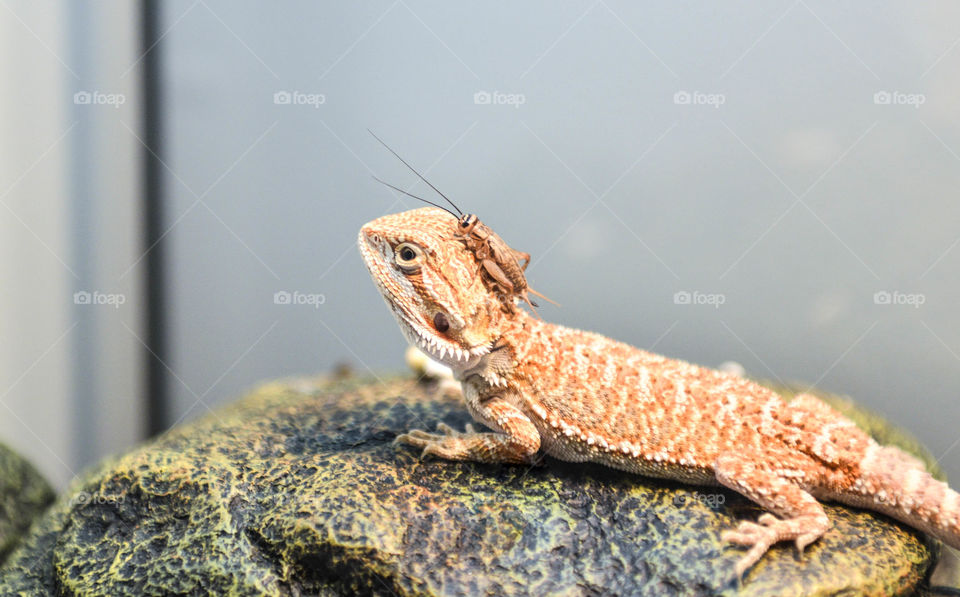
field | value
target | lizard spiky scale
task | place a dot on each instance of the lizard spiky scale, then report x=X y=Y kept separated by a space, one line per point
x=582 y=397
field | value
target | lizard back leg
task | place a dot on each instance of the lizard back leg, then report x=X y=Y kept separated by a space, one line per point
x=801 y=517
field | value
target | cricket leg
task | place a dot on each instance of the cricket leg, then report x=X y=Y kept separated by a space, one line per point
x=549 y=300
x=521 y=256
x=496 y=273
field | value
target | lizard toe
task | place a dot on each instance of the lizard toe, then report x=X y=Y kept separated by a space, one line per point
x=442 y=450
x=804 y=540
x=768 y=520
x=746 y=533
x=446 y=429
x=414 y=435
x=417 y=438
x=769 y=530
x=759 y=538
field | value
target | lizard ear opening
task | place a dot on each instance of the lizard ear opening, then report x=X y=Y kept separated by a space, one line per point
x=441 y=323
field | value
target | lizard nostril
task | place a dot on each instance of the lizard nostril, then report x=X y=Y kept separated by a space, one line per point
x=441 y=322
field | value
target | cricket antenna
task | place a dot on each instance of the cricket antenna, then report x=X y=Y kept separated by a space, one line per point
x=399 y=190
x=412 y=169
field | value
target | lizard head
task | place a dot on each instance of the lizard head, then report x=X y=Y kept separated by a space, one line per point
x=430 y=281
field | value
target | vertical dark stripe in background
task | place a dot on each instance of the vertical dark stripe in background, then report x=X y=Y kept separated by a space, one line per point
x=157 y=394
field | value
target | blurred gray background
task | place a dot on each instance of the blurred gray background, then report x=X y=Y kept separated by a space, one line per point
x=774 y=185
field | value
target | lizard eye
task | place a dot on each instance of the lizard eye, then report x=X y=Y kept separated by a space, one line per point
x=408 y=256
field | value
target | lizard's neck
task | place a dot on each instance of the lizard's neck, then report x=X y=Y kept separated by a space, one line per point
x=517 y=327
x=510 y=339
x=527 y=336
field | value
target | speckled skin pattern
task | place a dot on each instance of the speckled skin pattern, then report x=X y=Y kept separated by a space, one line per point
x=298 y=490
x=582 y=397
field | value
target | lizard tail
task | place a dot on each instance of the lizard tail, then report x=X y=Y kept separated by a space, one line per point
x=898 y=485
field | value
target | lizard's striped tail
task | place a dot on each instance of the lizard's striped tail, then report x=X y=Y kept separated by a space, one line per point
x=898 y=485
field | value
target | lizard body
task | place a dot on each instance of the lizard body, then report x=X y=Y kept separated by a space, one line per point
x=582 y=397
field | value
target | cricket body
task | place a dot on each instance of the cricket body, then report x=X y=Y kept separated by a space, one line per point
x=504 y=272
x=500 y=262
x=582 y=397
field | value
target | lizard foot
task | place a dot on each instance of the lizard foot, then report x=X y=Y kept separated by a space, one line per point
x=446 y=443
x=450 y=444
x=768 y=530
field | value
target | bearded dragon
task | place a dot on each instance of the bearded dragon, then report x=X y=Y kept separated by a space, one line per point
x=582 y=397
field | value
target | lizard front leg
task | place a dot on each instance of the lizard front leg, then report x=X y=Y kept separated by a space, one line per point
x=517 y=442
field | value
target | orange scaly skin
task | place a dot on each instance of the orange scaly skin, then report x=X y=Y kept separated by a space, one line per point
x=582 y=397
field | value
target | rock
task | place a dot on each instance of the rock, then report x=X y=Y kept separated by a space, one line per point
x=298 y=490
x=24 y=495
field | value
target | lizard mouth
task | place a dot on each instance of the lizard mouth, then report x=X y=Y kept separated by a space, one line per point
x=404 y=308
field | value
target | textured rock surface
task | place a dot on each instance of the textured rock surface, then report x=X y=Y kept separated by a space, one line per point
x=297 y=490
x=24 y=495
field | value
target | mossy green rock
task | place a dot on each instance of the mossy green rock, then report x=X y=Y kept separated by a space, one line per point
x=298 y=490
x=24 y=495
